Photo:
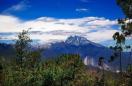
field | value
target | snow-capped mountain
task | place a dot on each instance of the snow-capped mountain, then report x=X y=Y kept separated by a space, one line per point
x=78 y=45
x=89 y=51
x=78 y=40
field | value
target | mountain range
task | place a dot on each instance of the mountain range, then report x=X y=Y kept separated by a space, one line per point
x=88 y=51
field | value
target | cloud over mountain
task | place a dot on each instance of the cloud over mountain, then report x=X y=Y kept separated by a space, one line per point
x=47 y=29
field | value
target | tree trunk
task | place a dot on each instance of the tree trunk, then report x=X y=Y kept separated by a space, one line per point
x=120 y=62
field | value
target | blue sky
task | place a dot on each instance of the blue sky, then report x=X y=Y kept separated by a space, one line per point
x=55 y=20
x=62 y=8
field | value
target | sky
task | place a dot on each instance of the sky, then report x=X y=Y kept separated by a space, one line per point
x=55 y=20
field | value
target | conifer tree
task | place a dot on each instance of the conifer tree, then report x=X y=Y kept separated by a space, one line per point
x=22 y=45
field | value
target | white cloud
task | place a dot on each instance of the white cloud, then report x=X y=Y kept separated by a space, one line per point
x=9 y=24
x=18 y=7
x=82 y=10
x=47 y=29
x=101 y=35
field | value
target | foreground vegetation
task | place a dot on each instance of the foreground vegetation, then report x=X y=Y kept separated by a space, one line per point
x=66 y=70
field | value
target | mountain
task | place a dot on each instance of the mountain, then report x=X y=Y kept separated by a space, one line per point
x=89 y=51
x=77 y=41
x=78 y=45
x=6 y=50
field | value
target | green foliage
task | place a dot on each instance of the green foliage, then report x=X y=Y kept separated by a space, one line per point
x=118 y=48
x=126 y=23
x=67 y=70
x=119 y=38
x=126 y=6
x=22 y=45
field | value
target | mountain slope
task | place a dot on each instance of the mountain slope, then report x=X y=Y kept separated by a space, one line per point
x=81 y=46
x=89 y=51
x=86 y=49
x=6 y=50
x=78 y=45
